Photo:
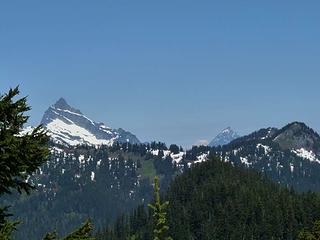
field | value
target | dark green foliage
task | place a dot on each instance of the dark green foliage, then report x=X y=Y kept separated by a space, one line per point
x=215 y=200
x=66 y=195
x=7 y=229
x=314 y=234
x=50 y=236
x=160 y=227
x=20 y=155
x=82 y=233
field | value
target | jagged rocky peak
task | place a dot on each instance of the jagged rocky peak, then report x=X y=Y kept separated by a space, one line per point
x=62 y=104
x=63 y=111
x=68 y=125
x=224 y=137
x=298 y=135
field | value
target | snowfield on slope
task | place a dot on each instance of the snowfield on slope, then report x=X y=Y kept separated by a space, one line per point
x=73 y=135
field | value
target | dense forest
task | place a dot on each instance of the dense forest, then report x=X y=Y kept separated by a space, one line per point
x=77 y=183
x=203 y=196
x=83 y=182
x=215 y=200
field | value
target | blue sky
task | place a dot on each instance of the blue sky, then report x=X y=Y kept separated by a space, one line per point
x=174 y=71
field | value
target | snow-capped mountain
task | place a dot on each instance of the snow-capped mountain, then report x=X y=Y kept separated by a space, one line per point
x=224 y=137
x=290 y=155
x=67 y=125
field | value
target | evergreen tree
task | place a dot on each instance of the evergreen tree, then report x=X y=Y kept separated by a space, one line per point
x=311 y=235
x=20 y=155
x=159 y=214
x=174 y=148
x=7 y=229
x=82 y=233
x=216 y=200
x=50 y=236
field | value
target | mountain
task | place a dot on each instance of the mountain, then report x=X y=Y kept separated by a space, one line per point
x=295 y=138
x=216 y=200
x=298 y=136
x=289 y=156
x=67 y=125
x=118 y=177
x=224 y=137
x=81 y=182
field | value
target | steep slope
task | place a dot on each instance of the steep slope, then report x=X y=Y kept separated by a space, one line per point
x=298 y=136
x=224 y=137
x=68 y=125
x=290 y=155
x=218 y=201
x=91 y=182
x=215 y=200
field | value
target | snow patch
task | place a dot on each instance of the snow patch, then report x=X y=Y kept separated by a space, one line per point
x=73 y=135
x=245 y=161
x=81 y=159
x=177 y=157
x=56 y=149
x=305 y=154
x=267 y=149
x=25 y=131
x=155 y=152
x=92 y=176
x=202 y=158
x=235 y=151
x=291 y=167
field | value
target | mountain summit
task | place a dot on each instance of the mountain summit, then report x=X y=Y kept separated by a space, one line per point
x=70 y=126
x=62 y=103
x=224 y=137
x=298 y=135
x=290 y=155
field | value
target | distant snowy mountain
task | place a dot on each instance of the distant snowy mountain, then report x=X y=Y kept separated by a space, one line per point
x=67 y=125
x=290 y=155
x=226 y=136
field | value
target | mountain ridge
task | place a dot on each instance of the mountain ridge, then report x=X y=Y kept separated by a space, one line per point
x=289 y=155
x=68 y=125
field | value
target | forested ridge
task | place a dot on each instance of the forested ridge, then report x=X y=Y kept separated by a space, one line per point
x=207 y=193
x=215 y=200
x=83 y=182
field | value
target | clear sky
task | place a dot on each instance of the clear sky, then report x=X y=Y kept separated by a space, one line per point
x=173 y=71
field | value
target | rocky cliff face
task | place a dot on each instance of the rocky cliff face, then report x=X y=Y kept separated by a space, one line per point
x=70 y=126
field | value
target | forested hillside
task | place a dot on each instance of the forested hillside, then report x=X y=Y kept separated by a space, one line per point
x=215 y=200
x=82 y=182
x=103 y=182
